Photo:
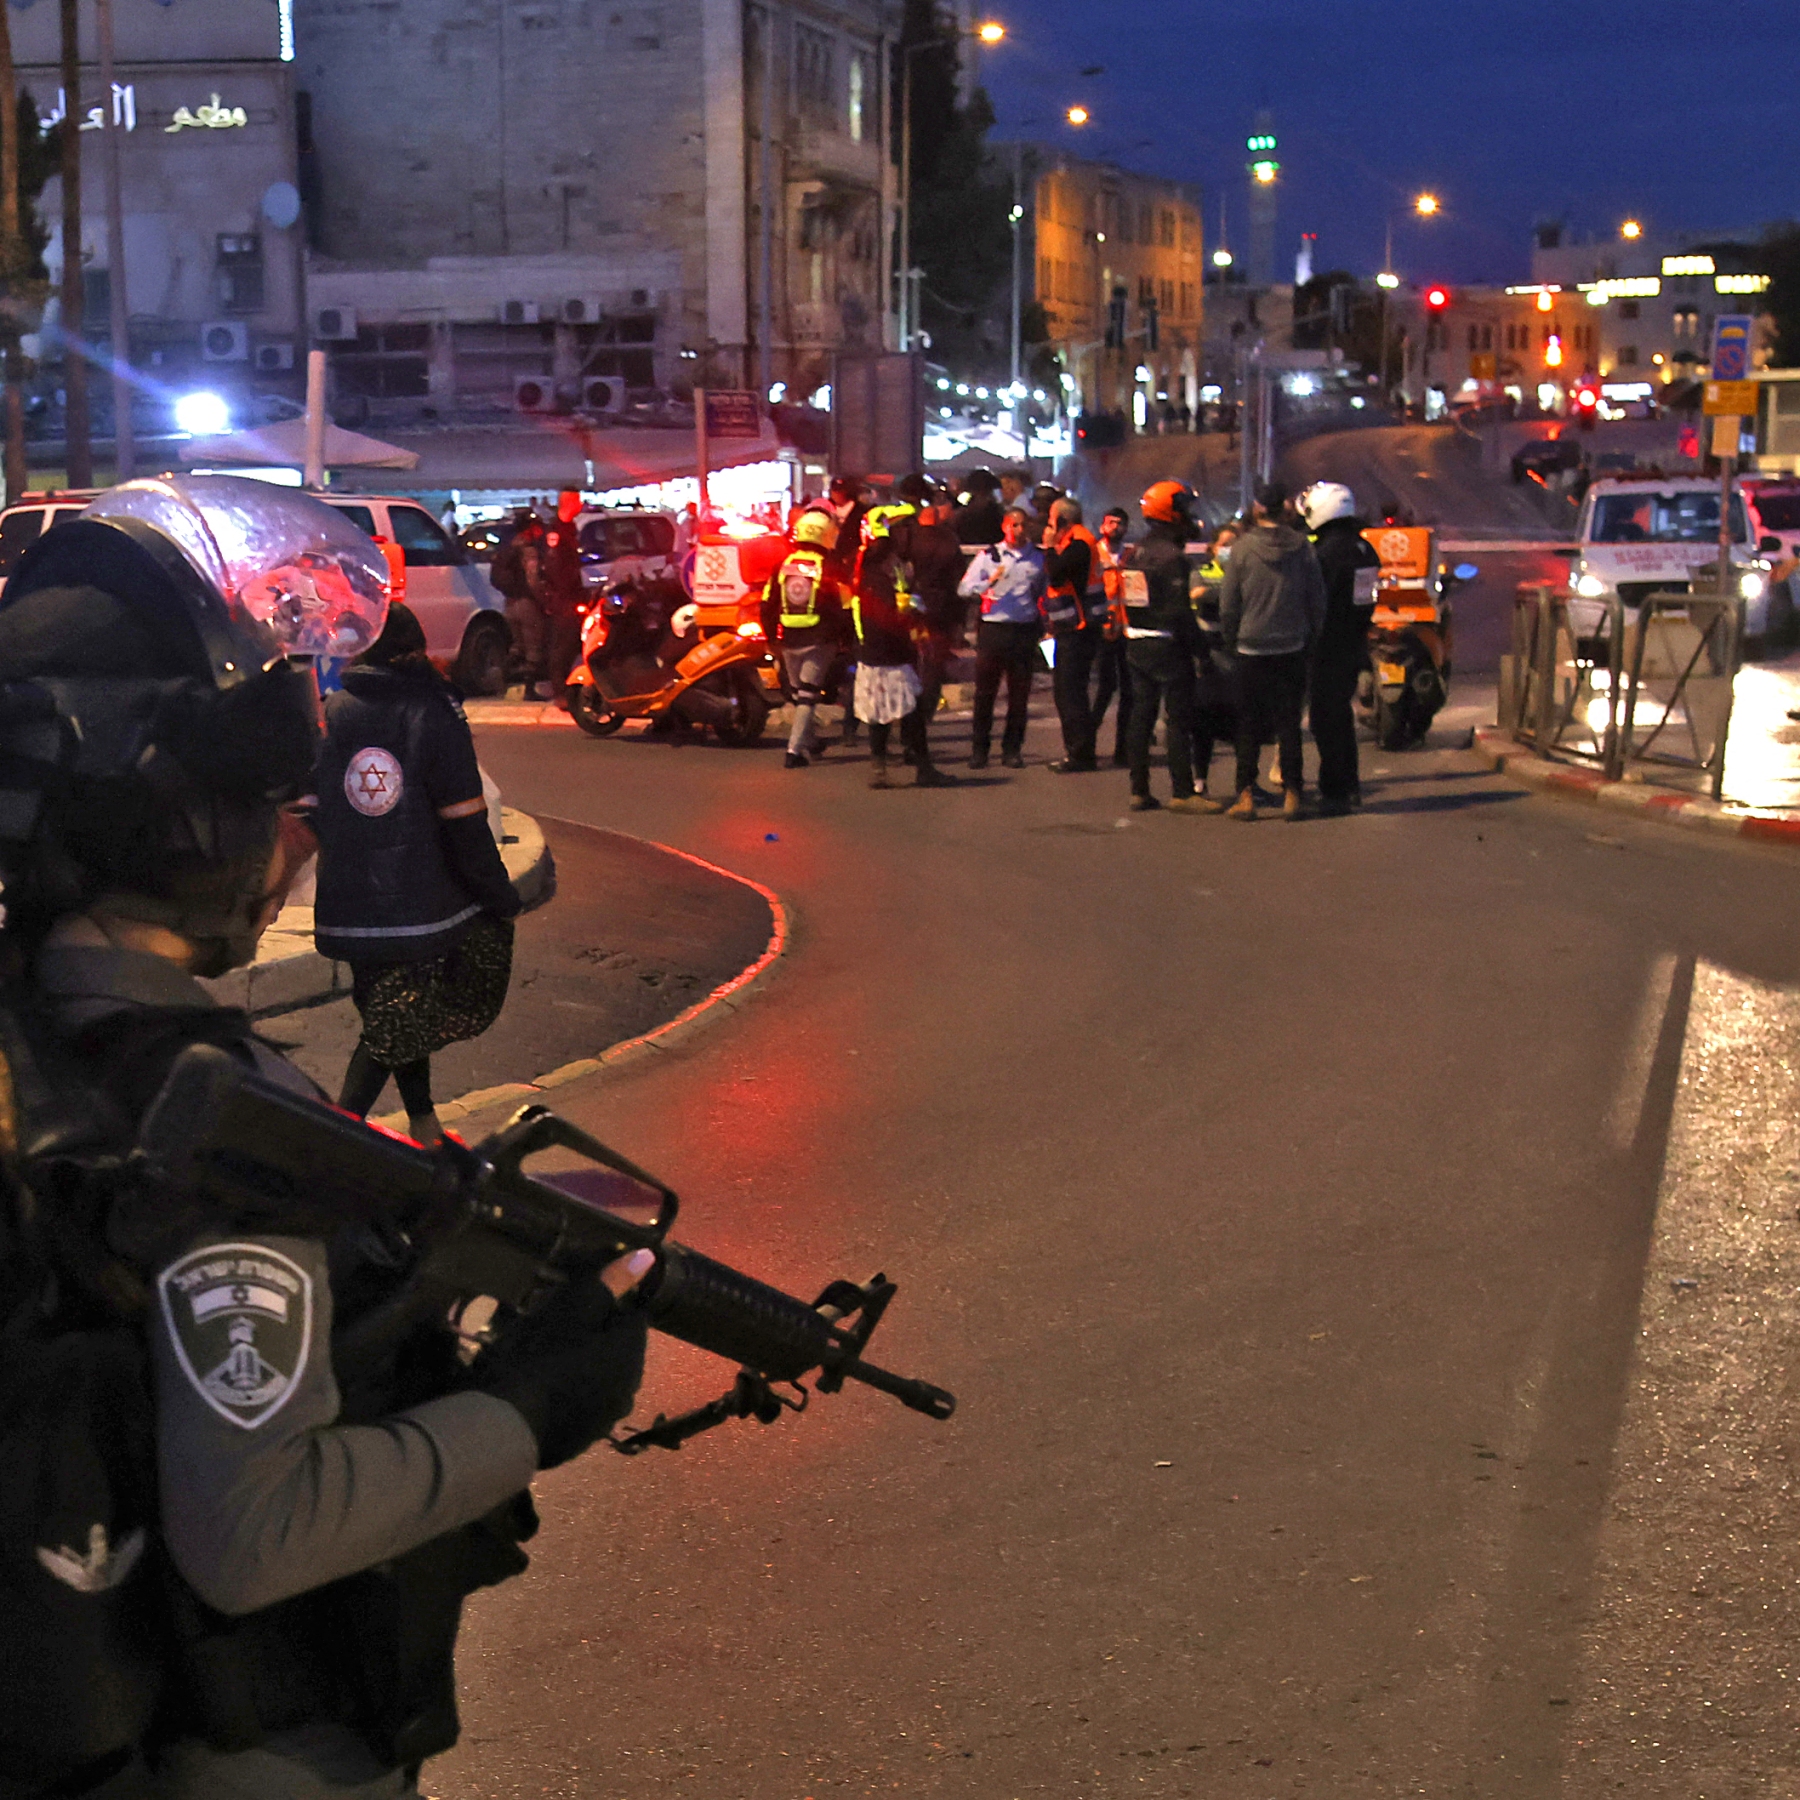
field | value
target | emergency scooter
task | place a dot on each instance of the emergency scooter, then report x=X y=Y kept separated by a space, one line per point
x=1411 y=635
x=650 y=652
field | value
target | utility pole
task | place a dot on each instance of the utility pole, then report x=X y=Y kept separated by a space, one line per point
x=78 y=436
x=124 y=442
x=12 y=259
x=765 y=327
x=1018 y=268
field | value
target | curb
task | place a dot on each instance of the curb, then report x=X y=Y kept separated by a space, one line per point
x=1503 y=755
x=724 y=1000
x=289 y=973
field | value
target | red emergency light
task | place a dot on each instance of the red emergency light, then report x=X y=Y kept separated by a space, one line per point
x=1436 y=299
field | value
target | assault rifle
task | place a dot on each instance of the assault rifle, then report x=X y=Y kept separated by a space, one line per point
x=467 y=1224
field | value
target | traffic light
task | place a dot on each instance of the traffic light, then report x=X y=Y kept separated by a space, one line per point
x=1115 y=320
x=1437 y=299
x=1587 y=405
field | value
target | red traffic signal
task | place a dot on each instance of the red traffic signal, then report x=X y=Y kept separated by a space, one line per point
x=1436 y=299
x=1586 y=398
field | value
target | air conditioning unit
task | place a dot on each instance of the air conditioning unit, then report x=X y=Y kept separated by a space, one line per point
x=334 y=324
x=225 y=340
x=579 y=312
x=603 y=393
x=273 y=359
x=519 y=312
x=535 y=393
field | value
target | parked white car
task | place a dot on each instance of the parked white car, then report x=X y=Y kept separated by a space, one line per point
x=1646 y=535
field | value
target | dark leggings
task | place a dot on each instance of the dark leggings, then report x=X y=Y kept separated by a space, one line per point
x=912 y=735
x=365 y=1078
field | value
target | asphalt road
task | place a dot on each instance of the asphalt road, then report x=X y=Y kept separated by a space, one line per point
x=1365 y=1252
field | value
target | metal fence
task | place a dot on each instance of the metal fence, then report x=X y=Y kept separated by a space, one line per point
x=1652 y=690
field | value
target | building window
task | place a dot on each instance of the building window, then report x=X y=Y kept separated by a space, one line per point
x=1166 y=293
x=1146 y=291
x=1046 y=278
x=815 y=85
x=1187 y=299
x=859 y=90
x=815 y=226
x=1165 y=230
x=387 y=363
x=1628 y=309
x=1686 y=322
x=1146 y=223
x=1627 y=356
x=241 y=272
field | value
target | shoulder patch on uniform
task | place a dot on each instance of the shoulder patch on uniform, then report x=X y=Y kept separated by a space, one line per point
x=373 y=782
x=240 y=1317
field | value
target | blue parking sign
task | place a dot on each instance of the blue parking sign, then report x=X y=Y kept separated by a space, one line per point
x=1731 y=346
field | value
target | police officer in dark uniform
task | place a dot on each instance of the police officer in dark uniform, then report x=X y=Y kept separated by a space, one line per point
x=564 y=592
x=1161 y=638
x=1351 y=569
x=311 y=1537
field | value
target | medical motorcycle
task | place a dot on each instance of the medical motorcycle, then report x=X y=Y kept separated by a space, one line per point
x=1411 y=635
x=649 y=652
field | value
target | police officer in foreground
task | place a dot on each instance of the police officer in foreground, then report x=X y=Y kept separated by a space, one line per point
x=1351 y=569
x=240 y=1567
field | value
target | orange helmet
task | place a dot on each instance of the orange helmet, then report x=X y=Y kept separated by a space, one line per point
x=1168 y=503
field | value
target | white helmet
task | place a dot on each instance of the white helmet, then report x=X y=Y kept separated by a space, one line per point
x=1325 y=501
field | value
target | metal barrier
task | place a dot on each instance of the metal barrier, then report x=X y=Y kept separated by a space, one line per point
x=1654 y=675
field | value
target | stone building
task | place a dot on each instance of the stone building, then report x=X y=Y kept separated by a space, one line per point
x=204 y=104
x=513 y=198
x=1110 y=247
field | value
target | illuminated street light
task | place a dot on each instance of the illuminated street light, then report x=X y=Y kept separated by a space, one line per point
x=1222 y=259
x=1077 y=115
x=991 y=31
x=1387 y=279
x=1265 y=173
x=1544 y=302
x=1428 y=206
x=1631 y=229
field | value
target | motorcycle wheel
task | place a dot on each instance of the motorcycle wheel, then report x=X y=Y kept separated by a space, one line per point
x=749 y=710
x=592 y=713
x=1393 y=725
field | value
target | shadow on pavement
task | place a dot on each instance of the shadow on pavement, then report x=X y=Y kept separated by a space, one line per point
x=1444 y=803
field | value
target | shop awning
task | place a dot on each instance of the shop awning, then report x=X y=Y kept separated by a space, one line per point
x=283 y=445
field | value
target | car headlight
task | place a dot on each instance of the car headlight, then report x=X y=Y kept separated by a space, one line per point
x=1590 y=587
x=1751 y=584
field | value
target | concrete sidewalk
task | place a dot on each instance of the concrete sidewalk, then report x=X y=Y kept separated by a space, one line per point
x=289 y=972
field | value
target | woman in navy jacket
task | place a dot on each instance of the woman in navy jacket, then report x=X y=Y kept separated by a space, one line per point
x=412 y=892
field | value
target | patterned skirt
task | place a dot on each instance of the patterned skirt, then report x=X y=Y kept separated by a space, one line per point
x=884 y=695
x=412 y=1010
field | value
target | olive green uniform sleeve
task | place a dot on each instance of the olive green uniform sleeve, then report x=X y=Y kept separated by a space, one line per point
x=264 y=1494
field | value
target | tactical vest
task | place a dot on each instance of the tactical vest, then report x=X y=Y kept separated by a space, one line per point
x=800 y=579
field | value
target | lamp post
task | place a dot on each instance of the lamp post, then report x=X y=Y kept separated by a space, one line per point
x=989 y=31
x=1076 y=116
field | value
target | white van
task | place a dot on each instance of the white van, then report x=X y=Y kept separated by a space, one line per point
x=466 y=633
x=1645 y=535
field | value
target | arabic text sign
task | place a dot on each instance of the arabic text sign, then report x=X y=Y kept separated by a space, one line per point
x=209 y=117
x=1731 y=346
x=732 y=413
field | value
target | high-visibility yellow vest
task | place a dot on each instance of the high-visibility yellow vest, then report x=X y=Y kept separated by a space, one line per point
x=800 y=579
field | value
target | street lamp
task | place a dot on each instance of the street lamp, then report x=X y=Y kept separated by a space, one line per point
x=1077 y=115
x=1428 y=206
x=990 y=32
x=1631 y=229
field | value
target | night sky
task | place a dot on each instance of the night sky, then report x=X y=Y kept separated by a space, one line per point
x=1686 y=115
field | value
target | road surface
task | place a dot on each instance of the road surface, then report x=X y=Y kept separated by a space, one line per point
x=1365 y=1253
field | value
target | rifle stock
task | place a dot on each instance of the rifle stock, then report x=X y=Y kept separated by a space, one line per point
x=478 y=1226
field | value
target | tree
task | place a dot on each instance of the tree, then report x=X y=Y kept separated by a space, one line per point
x=1780 y=261
x=961 y=237
x=28 y=158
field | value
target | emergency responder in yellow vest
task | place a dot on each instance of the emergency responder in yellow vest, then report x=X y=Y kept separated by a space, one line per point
x=804 y=617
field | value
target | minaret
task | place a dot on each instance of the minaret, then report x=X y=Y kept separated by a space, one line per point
x=1265 y=173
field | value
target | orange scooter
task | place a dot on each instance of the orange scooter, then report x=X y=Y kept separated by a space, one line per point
x=646 y=655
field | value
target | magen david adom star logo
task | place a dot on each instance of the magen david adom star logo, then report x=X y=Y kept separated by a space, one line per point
x=373 y=782
x=240 y=1318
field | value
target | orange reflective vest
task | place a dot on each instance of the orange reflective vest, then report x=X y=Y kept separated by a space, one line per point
x=1064 y=609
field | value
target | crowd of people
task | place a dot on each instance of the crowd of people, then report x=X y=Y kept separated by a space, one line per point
x=1223 y=637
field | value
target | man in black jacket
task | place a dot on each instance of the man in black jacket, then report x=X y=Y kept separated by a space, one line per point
x=1351 y=569
x=1161 y=638
x=936 y=560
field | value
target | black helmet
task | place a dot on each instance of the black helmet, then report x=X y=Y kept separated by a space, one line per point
x=151 y=722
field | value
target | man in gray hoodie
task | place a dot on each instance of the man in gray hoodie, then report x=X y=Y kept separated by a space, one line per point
x=1271 y=608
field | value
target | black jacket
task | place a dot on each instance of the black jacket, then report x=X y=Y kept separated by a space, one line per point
x=937 y=567
x=398 y=882
x=1162 y=560
x=883 y=625
x=1344 y=554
